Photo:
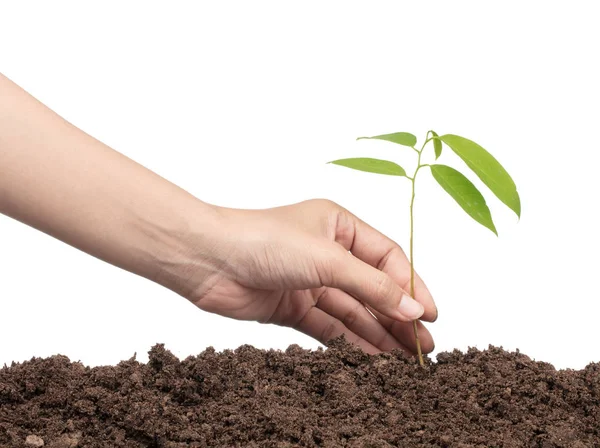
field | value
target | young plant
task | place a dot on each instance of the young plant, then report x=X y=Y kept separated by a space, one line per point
x=481 y=162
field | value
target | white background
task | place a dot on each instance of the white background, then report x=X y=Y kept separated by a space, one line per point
x=242 y=103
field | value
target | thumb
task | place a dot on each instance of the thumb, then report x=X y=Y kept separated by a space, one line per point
x=369 y=285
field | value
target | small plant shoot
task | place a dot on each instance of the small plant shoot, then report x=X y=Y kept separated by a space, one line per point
x=457 y=185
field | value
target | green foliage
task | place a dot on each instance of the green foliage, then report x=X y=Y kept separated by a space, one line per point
x=487 y=168
x=464 y=193
x=372 y=166
x=459 y=187
x=402 y=138
x=437 y=145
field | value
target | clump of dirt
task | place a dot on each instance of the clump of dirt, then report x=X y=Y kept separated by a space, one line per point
x=339 y=397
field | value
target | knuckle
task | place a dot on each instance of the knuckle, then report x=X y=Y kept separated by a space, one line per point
x=326 y=203
x=351 y=317
x=383 y=288
x=345 y=228
x=326 y=206
x=331 y=259
x=325 y=271
x=382 y=340
x=320 y=296
x=406 y=285
x=392 y=252
x=330 y=331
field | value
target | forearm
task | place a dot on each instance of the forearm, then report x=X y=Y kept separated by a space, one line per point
x=58 y=179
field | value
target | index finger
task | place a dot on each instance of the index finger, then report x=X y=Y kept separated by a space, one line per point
x=376 y=249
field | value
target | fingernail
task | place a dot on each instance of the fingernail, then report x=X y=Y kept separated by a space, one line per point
x=410 y=308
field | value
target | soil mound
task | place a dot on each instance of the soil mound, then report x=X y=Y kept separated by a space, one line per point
x=339 y=397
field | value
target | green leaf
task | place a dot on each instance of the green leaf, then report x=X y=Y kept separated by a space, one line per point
x=402 y=138
x=437 y=145
x=372 y=166
x=465 y=193
x=487 y=168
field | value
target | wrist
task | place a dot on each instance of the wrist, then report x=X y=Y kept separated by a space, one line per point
x=186 y=250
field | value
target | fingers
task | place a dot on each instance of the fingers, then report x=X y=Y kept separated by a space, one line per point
x=404 y=332
x=397 y=266
x=339 y=269
x=377 y=250
x=323 y=327
x=356 y=318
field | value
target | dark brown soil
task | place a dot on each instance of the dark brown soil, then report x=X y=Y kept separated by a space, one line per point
x=329 y=398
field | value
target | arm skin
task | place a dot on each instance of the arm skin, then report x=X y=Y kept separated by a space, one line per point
x=65 y=183
x=312 y=266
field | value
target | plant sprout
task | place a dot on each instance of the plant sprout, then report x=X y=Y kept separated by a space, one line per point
x=461 y=189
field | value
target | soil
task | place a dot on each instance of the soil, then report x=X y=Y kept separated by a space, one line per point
x=337 y=397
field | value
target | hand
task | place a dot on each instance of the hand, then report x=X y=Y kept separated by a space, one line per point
x=317 y=268
x=312 y=266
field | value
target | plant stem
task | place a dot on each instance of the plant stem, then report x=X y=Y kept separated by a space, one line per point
x=412 y=263
x=412 y=275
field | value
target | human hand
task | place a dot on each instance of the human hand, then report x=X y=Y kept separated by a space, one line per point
x=317 y=268
x=311 y=266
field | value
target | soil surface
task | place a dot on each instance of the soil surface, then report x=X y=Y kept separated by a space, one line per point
x=337 y=397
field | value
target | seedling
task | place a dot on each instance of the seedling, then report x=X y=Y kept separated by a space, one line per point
x=481 y=162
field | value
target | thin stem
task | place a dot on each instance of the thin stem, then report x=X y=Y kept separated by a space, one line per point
x=412 y=263
x=427 y=140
